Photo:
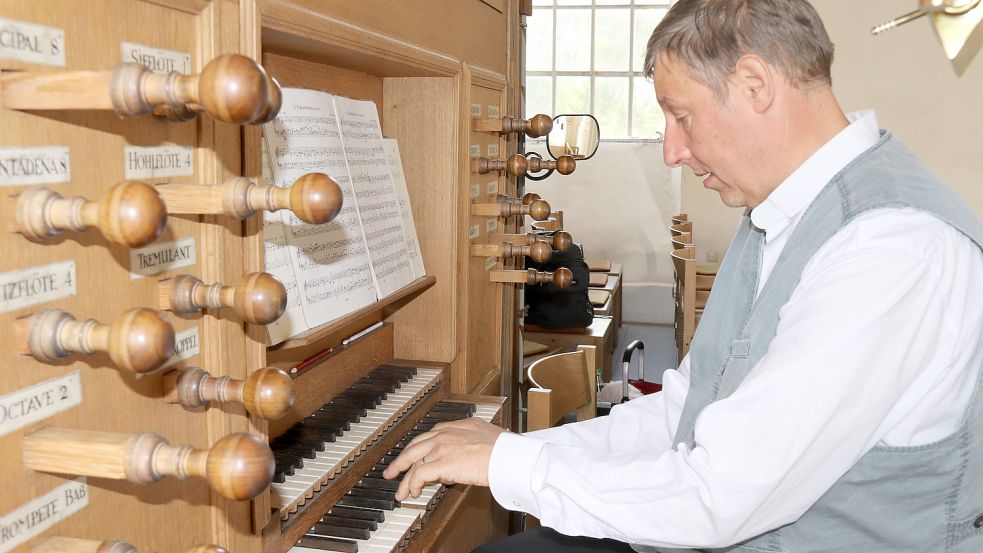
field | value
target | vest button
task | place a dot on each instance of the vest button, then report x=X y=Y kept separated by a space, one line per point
x=978 y=522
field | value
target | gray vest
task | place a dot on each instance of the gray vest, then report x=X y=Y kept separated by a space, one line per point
x=925 y=499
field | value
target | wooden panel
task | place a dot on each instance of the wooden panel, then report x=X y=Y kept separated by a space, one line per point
x=335 y=80
x=116 y=400
x=469 y=30
x=421 y=114
x=482 y=309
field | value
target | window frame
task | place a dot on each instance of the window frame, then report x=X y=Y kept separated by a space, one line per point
x=630 y=74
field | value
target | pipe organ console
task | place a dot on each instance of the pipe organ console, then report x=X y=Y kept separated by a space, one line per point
x=277 y=448
x=518 y=164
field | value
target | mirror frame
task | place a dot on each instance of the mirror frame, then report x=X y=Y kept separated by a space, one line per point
x=596 y=122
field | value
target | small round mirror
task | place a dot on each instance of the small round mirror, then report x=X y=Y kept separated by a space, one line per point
x=577 y=135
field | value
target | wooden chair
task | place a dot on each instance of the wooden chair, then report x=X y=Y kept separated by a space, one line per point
x=691 y=299
x=681 y=228
x=561 y=384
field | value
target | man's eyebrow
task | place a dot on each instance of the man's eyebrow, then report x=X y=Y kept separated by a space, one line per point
x=668 y=102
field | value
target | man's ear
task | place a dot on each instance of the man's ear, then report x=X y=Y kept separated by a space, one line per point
x=755 y=81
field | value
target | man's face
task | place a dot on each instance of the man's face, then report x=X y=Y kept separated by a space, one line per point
x=704 y=133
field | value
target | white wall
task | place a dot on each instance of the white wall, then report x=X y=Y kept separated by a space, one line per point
x=618 y=204
x=904 y=75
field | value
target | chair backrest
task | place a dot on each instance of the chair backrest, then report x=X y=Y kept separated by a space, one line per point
x=683 y=260
x=682 y=241
x=681 y=228
x=562 y=383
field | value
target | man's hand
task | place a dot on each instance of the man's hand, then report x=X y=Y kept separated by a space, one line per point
x=454 y=452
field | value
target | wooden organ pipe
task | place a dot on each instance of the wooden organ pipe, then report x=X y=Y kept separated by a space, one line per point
x=314 y=198
x=131 y=213
x=267 y=393
x=139 y=340
x=560 y=241
x=538 y=210
x=61 y=544
x=258 y=298
x=535 y=127
x=239 y=466
x=518 y=164
x=537 y=251
x=561 y=278
x=231 y=88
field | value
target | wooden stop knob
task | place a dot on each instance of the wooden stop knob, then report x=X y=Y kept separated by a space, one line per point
x=234 y=89
x=315 y=198
x=562 y=240
x=239 y=466
x=258 y=298
x=562 y=277
x=274 y=100
x=60 y=544
x=267 y=393
x=539 y=125
x=540 y=251
x=209 y=548
x=565 y=165
x=539 y=210
x=528 y=197
x=516 y=165
x=139 y=340
x=131 y=213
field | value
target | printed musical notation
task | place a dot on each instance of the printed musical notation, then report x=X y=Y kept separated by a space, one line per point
x=406 y=212
x=375 y=194
x=367 y=251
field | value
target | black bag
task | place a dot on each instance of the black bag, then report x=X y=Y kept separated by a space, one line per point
x=553 y=307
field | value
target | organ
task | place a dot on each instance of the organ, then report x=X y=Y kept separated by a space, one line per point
x=160 y=405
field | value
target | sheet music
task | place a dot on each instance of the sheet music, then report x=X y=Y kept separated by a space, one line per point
x=277 y=263
x=391 y=147
x=375 y=195
x=330 y=261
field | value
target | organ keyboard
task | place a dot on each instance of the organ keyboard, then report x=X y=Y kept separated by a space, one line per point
x=368 y=518
x=314 y=450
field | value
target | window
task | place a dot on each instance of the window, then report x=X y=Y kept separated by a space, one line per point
x=586 y=56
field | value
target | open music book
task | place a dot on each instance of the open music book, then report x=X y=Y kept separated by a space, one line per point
x=370 y=249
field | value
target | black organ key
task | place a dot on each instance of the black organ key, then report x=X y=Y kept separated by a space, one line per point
x=335 y=531
x=379 y=483
x=350 y=522
x=367 y=502
x=328 y=544
x=358 y=513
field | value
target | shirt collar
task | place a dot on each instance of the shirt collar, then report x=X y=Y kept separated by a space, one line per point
x=797 y=191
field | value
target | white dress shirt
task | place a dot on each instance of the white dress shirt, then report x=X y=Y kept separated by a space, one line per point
x=880 y=343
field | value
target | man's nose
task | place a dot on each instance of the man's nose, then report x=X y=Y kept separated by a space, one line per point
x=675 y=150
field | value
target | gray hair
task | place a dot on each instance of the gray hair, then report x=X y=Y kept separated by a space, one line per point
x=710 y=36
